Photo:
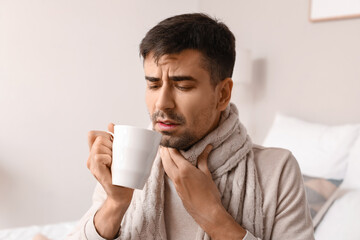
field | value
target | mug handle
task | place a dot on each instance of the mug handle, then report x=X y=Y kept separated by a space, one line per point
x=112 y=135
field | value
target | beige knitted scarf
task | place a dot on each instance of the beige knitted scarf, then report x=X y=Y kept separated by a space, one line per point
x=233 y=170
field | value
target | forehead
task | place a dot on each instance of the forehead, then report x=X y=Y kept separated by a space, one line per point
x=187 y=61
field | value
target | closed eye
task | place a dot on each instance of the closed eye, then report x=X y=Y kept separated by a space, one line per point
x=153 y=86
x=184 y=88
x=153 y=82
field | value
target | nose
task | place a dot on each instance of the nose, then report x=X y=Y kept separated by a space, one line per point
x=165 y=99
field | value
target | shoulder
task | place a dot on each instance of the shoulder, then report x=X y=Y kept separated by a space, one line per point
x=270 y=153
x=272 y=159
x=277 y=169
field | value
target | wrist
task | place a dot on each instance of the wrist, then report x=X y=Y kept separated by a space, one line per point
x=107 y=219
x=115 y=205
x=225 y=227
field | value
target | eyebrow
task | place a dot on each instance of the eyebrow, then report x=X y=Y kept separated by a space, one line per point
x=172 y=78
x=152 y=79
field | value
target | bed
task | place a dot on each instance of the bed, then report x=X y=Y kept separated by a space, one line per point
x=52 y=231
x=329 y=158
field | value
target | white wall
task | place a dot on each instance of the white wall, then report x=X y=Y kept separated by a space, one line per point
x=66 y=67
x=308 y=70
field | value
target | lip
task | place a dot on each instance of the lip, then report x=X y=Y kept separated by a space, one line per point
x=167 y=125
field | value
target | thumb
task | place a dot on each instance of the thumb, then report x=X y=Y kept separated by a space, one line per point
x=202 y=160
x=111 y=127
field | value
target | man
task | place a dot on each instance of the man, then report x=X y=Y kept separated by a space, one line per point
x=209 y=180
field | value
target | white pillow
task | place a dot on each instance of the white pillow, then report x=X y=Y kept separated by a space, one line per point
x=321 y=150
x=342 y=219
x=352 y=177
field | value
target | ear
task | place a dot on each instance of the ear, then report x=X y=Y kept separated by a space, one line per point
x=224 y=92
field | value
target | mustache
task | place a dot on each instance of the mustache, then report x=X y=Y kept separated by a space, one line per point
x=171 y=115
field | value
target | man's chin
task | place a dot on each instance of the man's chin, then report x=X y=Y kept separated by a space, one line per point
x=180 y=143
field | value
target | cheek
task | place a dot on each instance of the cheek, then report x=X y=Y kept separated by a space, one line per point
x=201 y=113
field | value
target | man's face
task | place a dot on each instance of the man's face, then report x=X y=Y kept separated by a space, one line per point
x=181 y=101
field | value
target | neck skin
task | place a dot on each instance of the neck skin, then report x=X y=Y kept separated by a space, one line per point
x=214 y=126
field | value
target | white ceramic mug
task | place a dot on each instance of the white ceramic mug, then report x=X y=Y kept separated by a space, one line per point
x=133 y=154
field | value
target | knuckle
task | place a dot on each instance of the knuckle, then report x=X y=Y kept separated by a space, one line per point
x=177 y=180
x=95 y=148
x=100 y=149
x=184 y=172
x=106 y=159
x=101 y=140
x=97 y=158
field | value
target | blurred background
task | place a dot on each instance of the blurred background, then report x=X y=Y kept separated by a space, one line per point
x=67 y=67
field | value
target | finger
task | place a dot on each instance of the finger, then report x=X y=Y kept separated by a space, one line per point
x=178 y=159
x=99 y=155
x=101 y=149
x=101 y=159
x=111 y=127
x=102 y=145
x=92 y=135
x=103 y=174
x=168 y=164
x=203 y=159
x=100 y=168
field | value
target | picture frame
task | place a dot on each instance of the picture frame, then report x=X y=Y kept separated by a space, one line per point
x=328 y=10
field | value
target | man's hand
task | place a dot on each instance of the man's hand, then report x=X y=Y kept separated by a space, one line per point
x=199 y=194
x=108 y=218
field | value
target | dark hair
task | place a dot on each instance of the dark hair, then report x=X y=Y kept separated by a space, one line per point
x=195 y=31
